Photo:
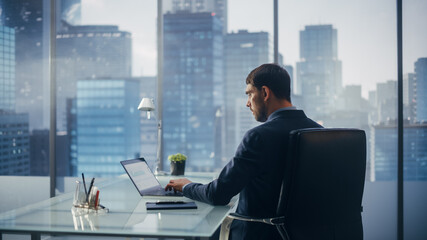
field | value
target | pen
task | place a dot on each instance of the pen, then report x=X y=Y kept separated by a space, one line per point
x=84 y=184
x=96 y=199
x=90 y=188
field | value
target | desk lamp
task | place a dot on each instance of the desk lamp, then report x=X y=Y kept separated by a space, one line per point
x=147 y=105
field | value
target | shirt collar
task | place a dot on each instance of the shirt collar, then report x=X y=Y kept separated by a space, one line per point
x=280 y=110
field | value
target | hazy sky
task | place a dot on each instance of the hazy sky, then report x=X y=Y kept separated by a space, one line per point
x=366 y=31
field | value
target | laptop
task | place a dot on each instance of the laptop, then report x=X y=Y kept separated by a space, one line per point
x=144 y=180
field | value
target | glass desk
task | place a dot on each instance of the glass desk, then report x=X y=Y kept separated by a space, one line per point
x=127 y=216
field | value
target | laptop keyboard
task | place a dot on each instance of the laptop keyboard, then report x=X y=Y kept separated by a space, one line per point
x=172 y=193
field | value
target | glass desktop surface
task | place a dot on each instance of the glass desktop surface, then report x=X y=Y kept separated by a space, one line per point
x=127 y=214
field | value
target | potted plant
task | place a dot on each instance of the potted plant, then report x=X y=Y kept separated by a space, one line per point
x=177 y=163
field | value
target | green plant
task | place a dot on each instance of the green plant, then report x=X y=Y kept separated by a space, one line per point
x=179 y=157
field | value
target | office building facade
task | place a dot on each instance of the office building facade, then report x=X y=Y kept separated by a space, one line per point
x=243 y=51
x=387 y=101
x=421 y=89
x=192 y=87
x=14 y=128
x=39 y=153
x=218 y=7
x=384 y=152
x=7 y=68
x=14 y=144
x=26 y=18
x=30 y=20
x=409 y=94
x=107 y=125
x=319 y=72
x=83 y=52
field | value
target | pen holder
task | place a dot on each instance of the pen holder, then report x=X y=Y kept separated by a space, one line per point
x=89 y=201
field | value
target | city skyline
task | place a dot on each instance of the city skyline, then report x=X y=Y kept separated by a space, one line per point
x=368 y=57
x=195 y=68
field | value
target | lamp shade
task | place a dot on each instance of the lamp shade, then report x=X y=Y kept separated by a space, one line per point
x=147 y=105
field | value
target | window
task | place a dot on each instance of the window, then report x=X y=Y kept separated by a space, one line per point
x=341 y=57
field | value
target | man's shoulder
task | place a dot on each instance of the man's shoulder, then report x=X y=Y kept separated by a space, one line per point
x=285 y=120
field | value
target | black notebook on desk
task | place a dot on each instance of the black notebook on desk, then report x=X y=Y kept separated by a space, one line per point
x=167 y=206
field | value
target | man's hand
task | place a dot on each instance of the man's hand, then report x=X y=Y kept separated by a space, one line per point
x=177 y=184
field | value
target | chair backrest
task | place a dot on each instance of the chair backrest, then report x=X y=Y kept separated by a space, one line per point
x=324 y=178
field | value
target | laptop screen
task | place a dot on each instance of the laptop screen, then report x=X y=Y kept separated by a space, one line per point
x=140 y=174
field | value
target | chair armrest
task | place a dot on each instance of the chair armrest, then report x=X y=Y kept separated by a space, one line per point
x=271 y=221
x=276 y=221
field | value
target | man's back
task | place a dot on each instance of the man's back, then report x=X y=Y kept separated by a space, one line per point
x=257 y=169
x=256 y=173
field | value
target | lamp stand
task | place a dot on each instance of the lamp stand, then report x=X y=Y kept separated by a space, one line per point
x=159 y=148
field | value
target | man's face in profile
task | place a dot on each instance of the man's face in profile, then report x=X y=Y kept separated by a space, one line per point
x=255 y=103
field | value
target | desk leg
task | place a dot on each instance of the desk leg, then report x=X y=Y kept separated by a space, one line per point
x=35 y=236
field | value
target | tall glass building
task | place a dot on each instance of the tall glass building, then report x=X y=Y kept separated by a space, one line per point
x=107 y=125
x=319 y=70
x=409 y=96
x=219 y=7
x=14 y=144
x=192 y=86
x=90 y=51
x=385 y=153
x=421 y=89
x=7 y=68
x=243 y=51
x=14 y=135
x=386 y=99
x=26 y=18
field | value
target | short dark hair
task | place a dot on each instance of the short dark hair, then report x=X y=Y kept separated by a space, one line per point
x=274 y=77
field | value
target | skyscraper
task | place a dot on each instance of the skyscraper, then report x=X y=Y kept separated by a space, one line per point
x=39 y=153
x=26 y=18
x=83 y=52
x=15 y=144
x=387 y=101
x=421 y=91
x=192 y=86
x=31 y=22
x=319 y=71
x=108 y=125
x=290 y=70
x=7 y=68
x=243 y=51
x=14 y=133
x=409 y=94
x=219 y=7
x=384 y=152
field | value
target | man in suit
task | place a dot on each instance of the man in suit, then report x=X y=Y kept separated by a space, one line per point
x=256 y=170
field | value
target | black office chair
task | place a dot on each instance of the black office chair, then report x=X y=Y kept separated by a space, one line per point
x=322 y=189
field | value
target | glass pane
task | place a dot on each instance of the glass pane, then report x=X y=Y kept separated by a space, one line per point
x=415 y=115
x=206 y=62
x=343 y=57
x=106 y=62
x=24 y=100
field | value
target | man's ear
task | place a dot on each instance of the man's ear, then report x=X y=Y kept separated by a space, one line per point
x=266 y=93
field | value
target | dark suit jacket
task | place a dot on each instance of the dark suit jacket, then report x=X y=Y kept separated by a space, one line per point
x=256 y=172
